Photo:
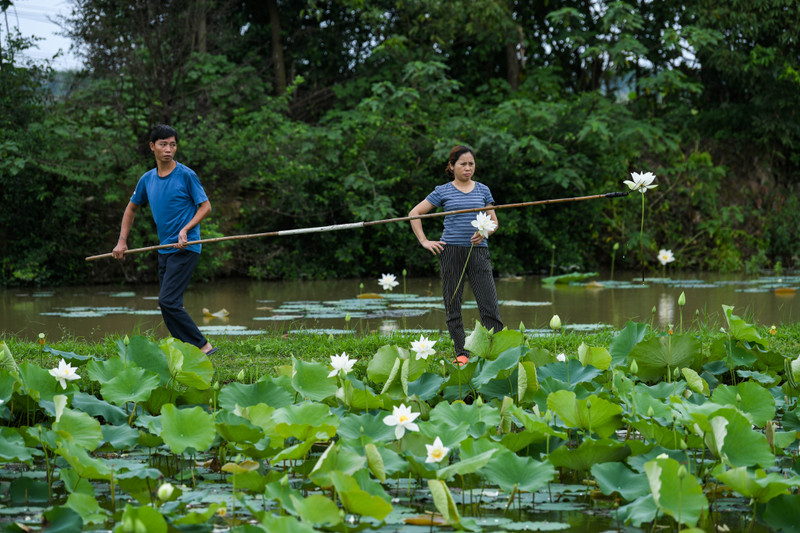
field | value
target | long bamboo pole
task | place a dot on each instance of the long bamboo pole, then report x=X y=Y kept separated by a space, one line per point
x=355 y=225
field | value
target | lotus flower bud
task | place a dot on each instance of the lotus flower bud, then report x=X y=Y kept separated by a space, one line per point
x=634 y=367
x=479 y=401
x=683 y=445
x=682 y=299
x=650 y=412
x=682 y=472
x=240 y=375
x=347 y=318
x=165 y=491
x=555 y=322
x=653 y=311
x=616 y=246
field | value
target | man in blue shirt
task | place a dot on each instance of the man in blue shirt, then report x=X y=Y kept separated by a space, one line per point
x=178 y=203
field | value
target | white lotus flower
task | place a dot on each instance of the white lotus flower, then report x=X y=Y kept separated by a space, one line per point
x=403 y=419
x=484 y=224
x=388 y=282
x=436 y=451
x=641 y=181
x=165 y=491
x=64 y=372
x=423 y=347
x=555 y=322
x=341 y=362
x=665 y=256
x=561 y=357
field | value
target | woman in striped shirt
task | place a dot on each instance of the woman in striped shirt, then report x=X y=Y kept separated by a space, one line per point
x=460 y=243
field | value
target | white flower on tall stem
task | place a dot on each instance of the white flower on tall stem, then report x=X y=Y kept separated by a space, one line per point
x=436 y=451
x=423 y=347
x=64 y=372
x=665 y=256
x=484 y=225
x=341 y=363
x=641 y=182
x=561 y=357
x=388 y=282
x=403 y=419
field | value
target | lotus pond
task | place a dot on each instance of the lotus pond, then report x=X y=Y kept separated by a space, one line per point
x=238 y=308
x=675 y=429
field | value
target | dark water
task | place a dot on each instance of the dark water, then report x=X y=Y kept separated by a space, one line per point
x=93 y=312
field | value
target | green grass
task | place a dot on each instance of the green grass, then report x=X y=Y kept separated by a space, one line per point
x=264 y=354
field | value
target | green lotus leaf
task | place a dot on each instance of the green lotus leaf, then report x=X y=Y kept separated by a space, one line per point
x=318 y=510
x=614 y=477
x=140 y=484
x=593 y=414
x=186 y=428
x=624 y=341
x=365 y=428
x=305 y=420
x=468 y=465
x=84 y=465
x=665 y=436
x=358 y=501
x=479 y=342
x=656 y=355
x=451 y=436
x=131 y=384
x=443 y=501
x=757 y=485
x=263 y=391
x=261 y=416
x=782 y=511
x=285 y=524
x=384 y=364
x=527 y=382
x=13 y=447
x=570 y=371
x=103 y=371
x=675 y=491
x=120 y=437
x=140 y=519
x=297 y=451
x=596 y=356
x=375 y=462
x=504 y=340
x=87 y=507
x=39 y=384
x=99 y=408
x=589 y=453
x=510 y=471
x=189 y=365
x=426 y=387
x=478 y=418
x=750 y=398
x=7 y=362
x=336 y=458
x=70 y=357
x=146 y=354
x=695 y=382
x=566 y=279
x=536 y=425
x=62 y=520
x=733 y=440
x=201 y=517
x=739 y=329
x=731 y=354
x=491 y=369
x=25 y=490
x=235 y=428
x=646 y=404
x=311 y=380
x=641 y=511
x=79 y=428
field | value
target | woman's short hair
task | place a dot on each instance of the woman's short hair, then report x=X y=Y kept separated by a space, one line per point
x=455 y=153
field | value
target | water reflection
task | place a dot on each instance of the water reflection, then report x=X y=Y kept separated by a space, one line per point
x=255 y=307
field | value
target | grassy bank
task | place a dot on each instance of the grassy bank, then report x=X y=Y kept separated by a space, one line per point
x=264 y=354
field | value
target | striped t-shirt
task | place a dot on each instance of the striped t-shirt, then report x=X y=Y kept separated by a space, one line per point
x=458 y=228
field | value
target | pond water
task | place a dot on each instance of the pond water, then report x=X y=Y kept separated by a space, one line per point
x=253 y=307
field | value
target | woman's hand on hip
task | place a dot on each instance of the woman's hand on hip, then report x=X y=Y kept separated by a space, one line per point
x=434 y=247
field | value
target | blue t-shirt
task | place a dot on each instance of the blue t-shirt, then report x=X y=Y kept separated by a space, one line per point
x=458 y=228
x=173 y=200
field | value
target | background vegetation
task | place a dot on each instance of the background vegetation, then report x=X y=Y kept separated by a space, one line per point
x=299 y=114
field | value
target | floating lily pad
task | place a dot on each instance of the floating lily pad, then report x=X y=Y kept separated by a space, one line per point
x=230 y=330
x=123 y=294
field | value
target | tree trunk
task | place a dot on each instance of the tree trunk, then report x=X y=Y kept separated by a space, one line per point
x=277 y=47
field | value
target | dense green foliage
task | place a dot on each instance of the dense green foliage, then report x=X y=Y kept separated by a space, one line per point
x=306 y=114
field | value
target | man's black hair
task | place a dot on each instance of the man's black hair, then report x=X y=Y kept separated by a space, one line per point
x=162 y=131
